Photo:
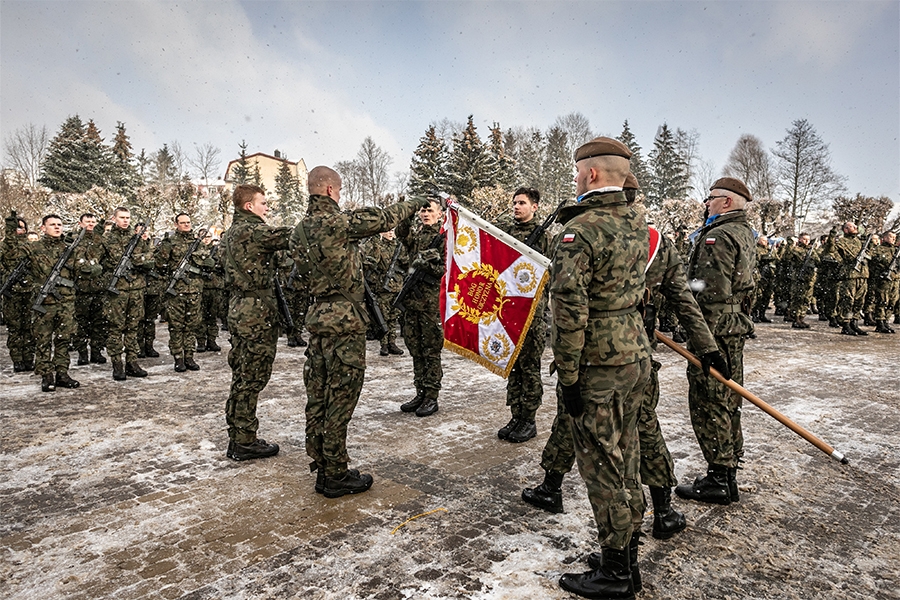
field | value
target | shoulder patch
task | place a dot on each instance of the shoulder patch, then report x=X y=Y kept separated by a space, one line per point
x=710 y=241
x=568 y=237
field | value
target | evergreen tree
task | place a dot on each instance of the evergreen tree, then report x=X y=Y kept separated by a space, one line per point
x=506 y=173
x=669 y=177
x=241 y=171
x=429 y=164
x=471 y=165
x=638 y=166
x=287 y=191
x=124 y=177
x=256 y=178
x=530 y=159
x=557 y=170
x=163 y=171
x=65 y=167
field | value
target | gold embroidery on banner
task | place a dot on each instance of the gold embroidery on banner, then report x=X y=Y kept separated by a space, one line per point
x=465 y=240
x=485 y=294
x=526 y=277
x=496 y=347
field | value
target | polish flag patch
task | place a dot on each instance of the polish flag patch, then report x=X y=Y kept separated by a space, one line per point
x=710 y=241
x=568 y=237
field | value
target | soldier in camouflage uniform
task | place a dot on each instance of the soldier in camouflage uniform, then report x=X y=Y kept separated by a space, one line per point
x=852 y=282
x=249 y=248
x=883 y=280
x=326 y=247
x=90 y=294
x=765 y=259
x=802 y=262
x=211 y=301
x=183 y=303
x=524 y=388
x=379 y=252
x=154 y=304
x=782 y=289
x=55 y=326
x=825 y=287
x=296 y=294
x=17 y=304
x=721 y=274
x=602 y=355
x=421 y=323
x=125 y=307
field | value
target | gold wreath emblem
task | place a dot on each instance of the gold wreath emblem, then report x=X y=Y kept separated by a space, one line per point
x=484 y=283
x=465 y=240
x=526 y=277
x=496 y=347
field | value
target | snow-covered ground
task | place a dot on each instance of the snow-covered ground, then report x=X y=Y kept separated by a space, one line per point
x=122 y=490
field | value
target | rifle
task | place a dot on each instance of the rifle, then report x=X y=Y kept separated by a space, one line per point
x=379 y=325
x=805 y=266
x=416 y=276
x=125 y=264
x=535 y=235
x=14 y=277
x=56 y=279
x=290 y=282
x=895 y=262
x=184 y=266
x=392 y=269
x=862 y=256
x=283 y=306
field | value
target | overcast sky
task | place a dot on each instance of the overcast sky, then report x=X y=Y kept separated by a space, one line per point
x=313 y=79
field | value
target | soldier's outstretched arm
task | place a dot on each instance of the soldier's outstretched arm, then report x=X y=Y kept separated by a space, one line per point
x=272 y=238
x=365 y=222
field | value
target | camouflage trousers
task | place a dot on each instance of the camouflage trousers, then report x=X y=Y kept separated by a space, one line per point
x=657 y=468
x=851 y=296
x=153 y=305
x=801 y=295
x=333 y=374
x=390 y=314
x=763 y=294
x=19 y=337
x=825 y=291
x=886 y=292
x=716 y=409
x=124 y=312
x=183 y=320
x=607 y=448
x=90 y=320
x=424 y=337
x=52 y=332
x=212 y=308
x=250 y=359
x=298 y=304
x=524 y=388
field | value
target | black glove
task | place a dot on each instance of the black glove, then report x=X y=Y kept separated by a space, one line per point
x=717 y=361
x=572 y=399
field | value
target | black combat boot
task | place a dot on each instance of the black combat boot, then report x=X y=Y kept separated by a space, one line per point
x=896 y=319
x=212 y=346
x=833 y=322
x=29 y=364
x=301 y=342
x=201 y=345
x=666 y=520
x=149 y=351
x=822 y=316
x=712 y=489
x=97 y=356
x=118 y=369
x=132 y=369
x=611 y=580
x=503 y=432
x=394 y=349
x=883 y=327
x=733 y=490
x=350 y=482
x=847 y=329
x=754 y=316
x=856 y=328
x=800 y=324
x=83 y=358
x=64 y=381
x=256 y=449
x=190 y=365
x=384 y=350
x=548 y=495
x=868 y=321
x=763 y=318
x=291 y=342
x=413 y=404
x=320 y=478
x=142 y=353
x=429 y=406
x=48 y=383
x=18 y=367
x=595 y=561
x=179 y=364
x=523 y=432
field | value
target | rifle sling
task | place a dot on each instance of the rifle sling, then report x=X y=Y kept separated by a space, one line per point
x=316 y=267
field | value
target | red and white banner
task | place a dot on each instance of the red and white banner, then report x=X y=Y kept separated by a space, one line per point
x=489 y=292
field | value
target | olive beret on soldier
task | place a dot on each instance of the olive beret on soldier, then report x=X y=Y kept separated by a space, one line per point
x=631 y=183
x=732 y=185
x=602 y=146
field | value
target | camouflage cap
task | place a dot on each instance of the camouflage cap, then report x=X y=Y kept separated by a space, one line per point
x=602 y=146
x=631 y=183
x=732 y=185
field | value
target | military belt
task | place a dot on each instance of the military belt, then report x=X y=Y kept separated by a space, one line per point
x=725 y=308
x=337 y=298
x=259 y=293
x=612 y=313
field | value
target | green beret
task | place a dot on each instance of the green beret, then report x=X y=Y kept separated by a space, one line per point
x=732 y=185
x=602 y=146
x=631 y=182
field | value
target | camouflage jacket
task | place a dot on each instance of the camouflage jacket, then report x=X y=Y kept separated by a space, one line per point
x=720 y=273
x=169 y=254
x=214 y=271
x=13 y=249
x=114 y=242
x=249 y=248
x=88 y=269
x=43 y=255
x=796 y=257
x=416 y=243
x=846 y=249
x=880 y=259
x=666 y=276
x=377 y=256
x=333 y=263
x=596 y=284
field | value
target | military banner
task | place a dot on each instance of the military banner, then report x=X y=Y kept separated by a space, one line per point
x=489 y=292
